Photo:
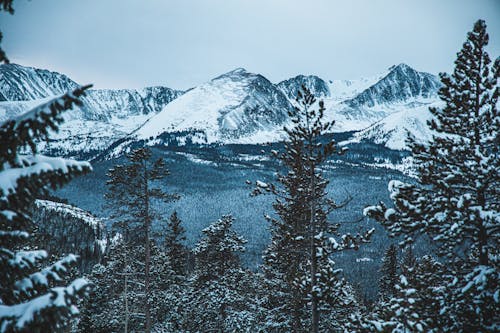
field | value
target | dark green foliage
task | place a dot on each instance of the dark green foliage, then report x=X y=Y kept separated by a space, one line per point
x=389 y=273
x=174 y=245
x=408 y=262
x=118 y=296
x=218 y=252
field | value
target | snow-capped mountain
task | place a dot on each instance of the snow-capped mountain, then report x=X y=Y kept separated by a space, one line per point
x=235 y=107
x=315 y=84
x=19 y=83
x=393 y=130
x=360 y=103
x=106 y=115
x=401 y=84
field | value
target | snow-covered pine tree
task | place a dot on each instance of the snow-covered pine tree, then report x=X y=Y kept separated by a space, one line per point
x=300 y=274
x=220 y=296
x=456 y=201
x=116 y=302
x=414 y=306
x=176 y=250
x=389 y=273
x=408 y=262
x=27 y=302
x=218 y=252
x=132 y=188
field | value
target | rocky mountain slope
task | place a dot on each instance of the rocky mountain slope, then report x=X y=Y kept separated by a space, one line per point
x=393 y=130
x=62 y=228
x=235 y=107
x=106 y=115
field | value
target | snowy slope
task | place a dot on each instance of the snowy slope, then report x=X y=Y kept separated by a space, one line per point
x=341 y=90
x=69 y=229
x=235 y=107
x=106 y=115
x=393 y=130
x=19 y=83
x=361 y=103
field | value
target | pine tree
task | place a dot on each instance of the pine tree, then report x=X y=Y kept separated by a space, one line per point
x=28 y=302
x=176 y=250
x=218 y=252
x=132 y=192
x=221 y=295
x=456 y=201
x=408 y=262
x=5 y=5
x=297 y=263
x=389 y=273
x=116 y=303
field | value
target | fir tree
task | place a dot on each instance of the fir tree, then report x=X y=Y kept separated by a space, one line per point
x=389 y=273
x=408 y=262
x=456 y=201
x=176 y=250
x=28 y=303
x=300 y=273
x=132 y=191
x=221 y=295
x=116 y=303
x=218 y=252
x=5 y=5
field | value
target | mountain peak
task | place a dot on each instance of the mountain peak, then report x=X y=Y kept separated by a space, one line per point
x=235 y=74
x=239 y=70
x=402 y=66
x=236 y=71
x=22 y=83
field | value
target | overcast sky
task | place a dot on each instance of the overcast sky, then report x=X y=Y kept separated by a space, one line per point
x=136 y=43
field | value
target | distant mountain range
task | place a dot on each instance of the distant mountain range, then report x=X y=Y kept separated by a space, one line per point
x=236 y=107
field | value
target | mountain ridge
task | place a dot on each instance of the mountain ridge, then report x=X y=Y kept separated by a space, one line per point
x=234 y=107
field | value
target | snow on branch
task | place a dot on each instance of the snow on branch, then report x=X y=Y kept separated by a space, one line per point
x=39 y=279
x=60 y=300
x=36 y=164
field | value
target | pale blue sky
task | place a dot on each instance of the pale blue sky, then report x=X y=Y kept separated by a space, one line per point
x=136 y=43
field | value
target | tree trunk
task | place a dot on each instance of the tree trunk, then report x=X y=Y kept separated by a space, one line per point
x=147 y=222
x=126 y=303
x=312 y=222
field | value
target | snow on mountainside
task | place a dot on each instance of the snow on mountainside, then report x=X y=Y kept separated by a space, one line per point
x=315 y=84
x=371 y=100
x=235 y=107
x=393 y=130
x=401 y=83
x=69 y=229
x=19 y=83
x=106 y=115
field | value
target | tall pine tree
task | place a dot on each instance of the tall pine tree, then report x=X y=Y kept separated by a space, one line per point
x=456 y=201
x=28 y=302
x=389 y=273
x=132 y=190
x=300 y=273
